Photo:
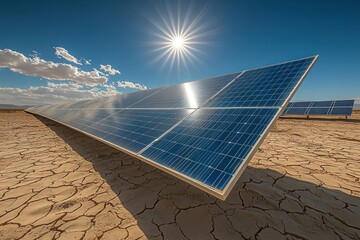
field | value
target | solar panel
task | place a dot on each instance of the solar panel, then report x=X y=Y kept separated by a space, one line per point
x=203 y=132
x=338 y=107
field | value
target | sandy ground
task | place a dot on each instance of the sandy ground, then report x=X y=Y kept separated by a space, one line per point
x=56 y=183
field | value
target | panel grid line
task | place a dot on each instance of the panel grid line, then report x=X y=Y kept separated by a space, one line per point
x=228 y=84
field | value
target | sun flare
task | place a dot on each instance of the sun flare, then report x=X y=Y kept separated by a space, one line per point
x=178 y=43
x=179 y=36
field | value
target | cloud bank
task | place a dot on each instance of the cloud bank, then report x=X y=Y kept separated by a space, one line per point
x=54 y=93
x=63 y=53
x=75 y=84
x=35 y=66
x=127 y=84
x=108 y=69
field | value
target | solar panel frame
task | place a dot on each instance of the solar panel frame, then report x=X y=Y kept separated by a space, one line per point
x=212 y=191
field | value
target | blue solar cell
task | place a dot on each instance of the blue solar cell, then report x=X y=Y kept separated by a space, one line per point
x=300 y=104
x=186 y=95
x=295 y=111
x=344 y=103
x=82 y=119
x=210 y=144
x=318 y=111
x=135 y=129
x=268 y=86
x=322 y=104
x=341 y=111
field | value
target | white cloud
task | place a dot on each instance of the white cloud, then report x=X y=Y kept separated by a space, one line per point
x=127 y=84
x=35 y=66
x=54 y=93
x=87 y=62
x=108 y=68
x=63 y=53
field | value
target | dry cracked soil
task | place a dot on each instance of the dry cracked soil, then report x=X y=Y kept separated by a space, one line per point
x=56 y=183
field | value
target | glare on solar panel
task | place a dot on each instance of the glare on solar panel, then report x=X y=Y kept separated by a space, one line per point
x=186 y=95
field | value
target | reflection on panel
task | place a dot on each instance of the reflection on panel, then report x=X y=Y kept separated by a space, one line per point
x=186 y=95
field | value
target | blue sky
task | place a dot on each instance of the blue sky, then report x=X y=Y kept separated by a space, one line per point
x=237 y=35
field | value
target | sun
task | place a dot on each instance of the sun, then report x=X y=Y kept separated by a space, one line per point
x=179 y=36
x=178 y=43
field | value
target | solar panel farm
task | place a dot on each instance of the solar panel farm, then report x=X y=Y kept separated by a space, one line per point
x=230 y=155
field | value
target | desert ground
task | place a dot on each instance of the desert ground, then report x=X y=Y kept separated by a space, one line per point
x=56 y=183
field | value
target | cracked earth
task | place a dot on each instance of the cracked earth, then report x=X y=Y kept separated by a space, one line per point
x=55 y=183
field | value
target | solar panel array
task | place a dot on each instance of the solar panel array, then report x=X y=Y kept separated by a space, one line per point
x=339 y=107
x=203 y=132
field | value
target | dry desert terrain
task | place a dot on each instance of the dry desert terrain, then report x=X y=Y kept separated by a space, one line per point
x=56 y=183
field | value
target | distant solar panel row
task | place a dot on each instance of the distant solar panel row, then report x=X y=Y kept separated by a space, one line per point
x=203 y=132
x=340 y=107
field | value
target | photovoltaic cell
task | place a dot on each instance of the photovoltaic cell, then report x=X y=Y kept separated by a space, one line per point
x=269 y=86
x=344 y=103
x=318 y=111
x=135 y=129
x=203 y=132
x=82 y=119
x=296 y=111
x=322 y=104
x=299 y=104
x=341 y=111
x=211 y=144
